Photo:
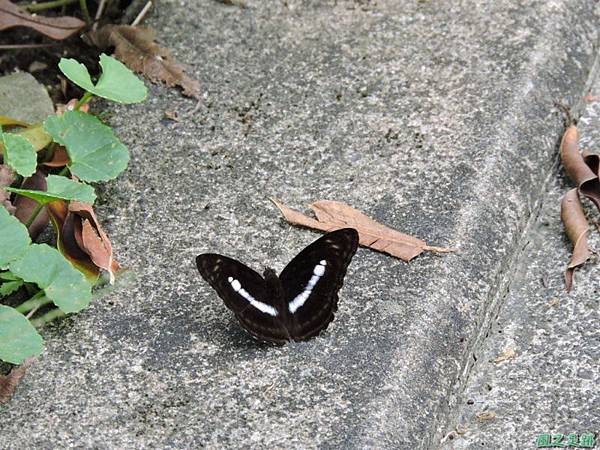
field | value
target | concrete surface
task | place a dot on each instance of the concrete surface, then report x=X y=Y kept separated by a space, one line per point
x=434 y=120
x=551 y=384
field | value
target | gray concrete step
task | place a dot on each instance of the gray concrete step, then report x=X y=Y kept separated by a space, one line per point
x=435 y=120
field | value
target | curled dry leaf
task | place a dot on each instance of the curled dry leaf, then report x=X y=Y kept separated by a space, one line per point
x=60 y=158
x=93 y=240
x=26 y=206
x=7 y=177
x=485 y=416
x=135 y=47
x=9 y=383
x=57 y=28
x=577 y=166
x=82 y=240
x=332 y=215
x=577 y=228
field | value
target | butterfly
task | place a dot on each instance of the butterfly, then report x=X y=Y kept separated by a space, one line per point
x=294 y=306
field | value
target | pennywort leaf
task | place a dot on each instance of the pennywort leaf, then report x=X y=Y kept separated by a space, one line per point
x=14 y=238
x=94 y=151
x=117 y=82
x=59 y=188
x=8 y=287
x=61 y=282
x=19 y=154
x=18 y=338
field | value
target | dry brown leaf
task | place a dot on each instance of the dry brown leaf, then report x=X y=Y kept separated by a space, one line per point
x=332 y=215
x=505 y=355
x=26 y=206
x=485 y=416
x=7 y=177
x=577 y=168
x=57 y=28
x=135 y=47
x=93 y=240
x=60 y=158
x=577 y=228
x=9 y=383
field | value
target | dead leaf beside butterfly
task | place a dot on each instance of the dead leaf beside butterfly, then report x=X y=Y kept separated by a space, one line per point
x=135 y=47
x=332 y=215
x=57 y=28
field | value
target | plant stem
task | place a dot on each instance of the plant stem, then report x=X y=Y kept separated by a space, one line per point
x=33 y=215
x=48 y=317
x=83 y=100
x=49 y=5
x=36 y=301
x=86 y=12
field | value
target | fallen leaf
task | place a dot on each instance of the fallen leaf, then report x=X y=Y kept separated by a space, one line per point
x=26 y=206
x=7 y=177
x=135 y=47
x=577 y=168
x=93 y=240
x=485 y=416
x=505 y=355
x=60 y=158
x=590 y=98
x=65 y=225
x=577 y=228
x=553 y=302
x=9 y=383
x=57 y=28
x=332 y=215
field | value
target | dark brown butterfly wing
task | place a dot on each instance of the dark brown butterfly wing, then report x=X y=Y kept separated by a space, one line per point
x=244 y=292
x=311 y=282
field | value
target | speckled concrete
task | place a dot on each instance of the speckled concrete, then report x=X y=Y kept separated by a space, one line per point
x=551 y=385
x=436 y=121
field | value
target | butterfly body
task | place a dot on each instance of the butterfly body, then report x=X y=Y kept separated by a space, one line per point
x=294 y=306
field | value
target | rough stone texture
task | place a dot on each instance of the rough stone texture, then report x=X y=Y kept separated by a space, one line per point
x=23 y=98
x=551 y=385
x=434 y=120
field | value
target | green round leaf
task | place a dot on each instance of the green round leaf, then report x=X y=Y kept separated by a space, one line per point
x=117 y=82
x=94 y=151
x=14 y=238
x=18 y=339
x=19 y=154
x=61 y=282
x=60 y=188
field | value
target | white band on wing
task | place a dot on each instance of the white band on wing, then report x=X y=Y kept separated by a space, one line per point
x=263 y=307
x=301 y=298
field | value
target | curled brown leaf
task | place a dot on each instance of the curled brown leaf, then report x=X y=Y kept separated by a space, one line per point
x=9 y=383
x=332 y=215
x=135 y=47
x=93 y=240
x=7 y=177
x=57 y=28
x=577 y=166
x=577 y=228
x=26 y=206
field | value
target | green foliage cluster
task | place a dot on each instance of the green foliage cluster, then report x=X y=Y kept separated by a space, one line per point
x=95 y=154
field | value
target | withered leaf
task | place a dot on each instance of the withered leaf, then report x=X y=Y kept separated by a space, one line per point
x=60 y=158
x=26 y=206
x=57 y=28
x=577 y=168
x=135 y=47
x=67 y=225
x=9 y=383
x=93 y=240
x=577 y=228
x=7 y=177
x=332 y=215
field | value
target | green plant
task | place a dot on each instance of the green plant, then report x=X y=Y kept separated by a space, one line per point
x=57 y=281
